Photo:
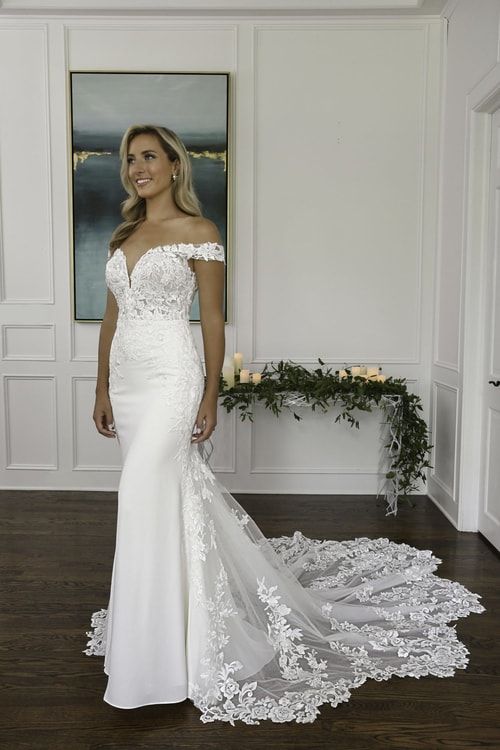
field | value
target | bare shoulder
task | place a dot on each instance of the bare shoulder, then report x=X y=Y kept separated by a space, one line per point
x=204 y=230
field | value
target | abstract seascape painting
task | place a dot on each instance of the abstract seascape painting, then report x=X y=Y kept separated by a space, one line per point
x=103 y=106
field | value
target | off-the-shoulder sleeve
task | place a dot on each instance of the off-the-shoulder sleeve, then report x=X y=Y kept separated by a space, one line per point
x=207 y=251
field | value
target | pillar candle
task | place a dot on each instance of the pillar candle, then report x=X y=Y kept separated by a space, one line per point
x=256 y=377
x=228 y=375
x=244 y=376
x=238 y=361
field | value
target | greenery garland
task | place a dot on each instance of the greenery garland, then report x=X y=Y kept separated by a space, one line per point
x=324 y=389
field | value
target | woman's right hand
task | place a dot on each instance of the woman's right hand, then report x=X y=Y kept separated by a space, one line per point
x=103 y=415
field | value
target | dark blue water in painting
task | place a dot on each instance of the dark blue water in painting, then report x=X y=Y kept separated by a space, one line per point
x=98 y=194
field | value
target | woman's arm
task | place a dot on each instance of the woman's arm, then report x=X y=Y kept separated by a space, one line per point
x=210 y=275
x=107 y=332
x=210 y=278
x=103 y=413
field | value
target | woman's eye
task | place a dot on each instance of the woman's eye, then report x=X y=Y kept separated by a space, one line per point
x=131 y=158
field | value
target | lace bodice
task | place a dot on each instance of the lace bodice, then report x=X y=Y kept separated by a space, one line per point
x=162 y=284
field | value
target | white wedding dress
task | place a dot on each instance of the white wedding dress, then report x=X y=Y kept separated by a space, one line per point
x=202 y=605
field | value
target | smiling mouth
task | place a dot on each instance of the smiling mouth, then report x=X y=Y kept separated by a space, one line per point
x=140 y=183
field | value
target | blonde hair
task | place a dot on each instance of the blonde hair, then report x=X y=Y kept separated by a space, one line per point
x=133 y=208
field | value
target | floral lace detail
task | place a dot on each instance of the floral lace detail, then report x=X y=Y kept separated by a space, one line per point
x=219 y=607
x=412 y=638
x=162 y=285
x=96 y=646
x=435 y=650
x=362 y=558
x=197 y=490
x=239 y=702
x=241 y=518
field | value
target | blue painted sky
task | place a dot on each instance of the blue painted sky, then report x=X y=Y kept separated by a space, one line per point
x=187 y=104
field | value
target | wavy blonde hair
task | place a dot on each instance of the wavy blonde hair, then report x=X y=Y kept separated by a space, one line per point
x=133 y=208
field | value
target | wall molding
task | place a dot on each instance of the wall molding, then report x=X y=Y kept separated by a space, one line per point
x=7 y=411
x=201 y=6
x=28 y=357
x=436 y=385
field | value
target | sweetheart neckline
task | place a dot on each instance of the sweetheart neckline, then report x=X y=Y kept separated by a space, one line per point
x=157 y=247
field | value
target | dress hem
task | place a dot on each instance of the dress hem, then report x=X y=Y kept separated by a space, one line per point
x=153 y=703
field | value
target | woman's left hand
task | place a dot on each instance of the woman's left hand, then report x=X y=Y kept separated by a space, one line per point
x=206 y=420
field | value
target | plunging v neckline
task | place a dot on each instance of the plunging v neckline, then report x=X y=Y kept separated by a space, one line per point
x=156 y=247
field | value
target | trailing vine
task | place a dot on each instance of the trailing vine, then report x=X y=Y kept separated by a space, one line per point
x=285 y=384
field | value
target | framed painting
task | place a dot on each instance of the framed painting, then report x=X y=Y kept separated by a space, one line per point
x=103 y=106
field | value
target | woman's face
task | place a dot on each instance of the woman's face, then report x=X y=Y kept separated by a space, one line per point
x=149 y=167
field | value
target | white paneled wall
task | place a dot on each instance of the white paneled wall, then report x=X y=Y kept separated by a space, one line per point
x=334 y=137
x=27 y=256
x=339 y=193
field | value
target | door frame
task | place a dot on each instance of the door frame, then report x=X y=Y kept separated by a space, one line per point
x=481 y=102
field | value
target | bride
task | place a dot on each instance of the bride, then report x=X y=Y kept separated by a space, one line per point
x=202 y=606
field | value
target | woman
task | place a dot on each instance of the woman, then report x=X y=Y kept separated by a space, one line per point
x=202 y=605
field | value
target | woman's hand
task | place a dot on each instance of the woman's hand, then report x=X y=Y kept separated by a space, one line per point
x=206 y=419
x=103 y=415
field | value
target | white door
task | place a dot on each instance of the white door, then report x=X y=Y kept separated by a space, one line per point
x=489 y=505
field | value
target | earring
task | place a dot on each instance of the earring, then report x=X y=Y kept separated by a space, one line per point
x=174 y=176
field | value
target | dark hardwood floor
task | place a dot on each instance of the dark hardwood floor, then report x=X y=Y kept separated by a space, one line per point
x=55 y=563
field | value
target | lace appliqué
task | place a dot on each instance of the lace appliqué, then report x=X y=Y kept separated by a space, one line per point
x=162 y=284
x=197 y=489
x=241 y=518
x=296 y=661
x=96 y=646
x=434 y=651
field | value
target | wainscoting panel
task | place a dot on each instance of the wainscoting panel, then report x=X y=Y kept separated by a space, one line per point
x=28 y=342
x=30 y=422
